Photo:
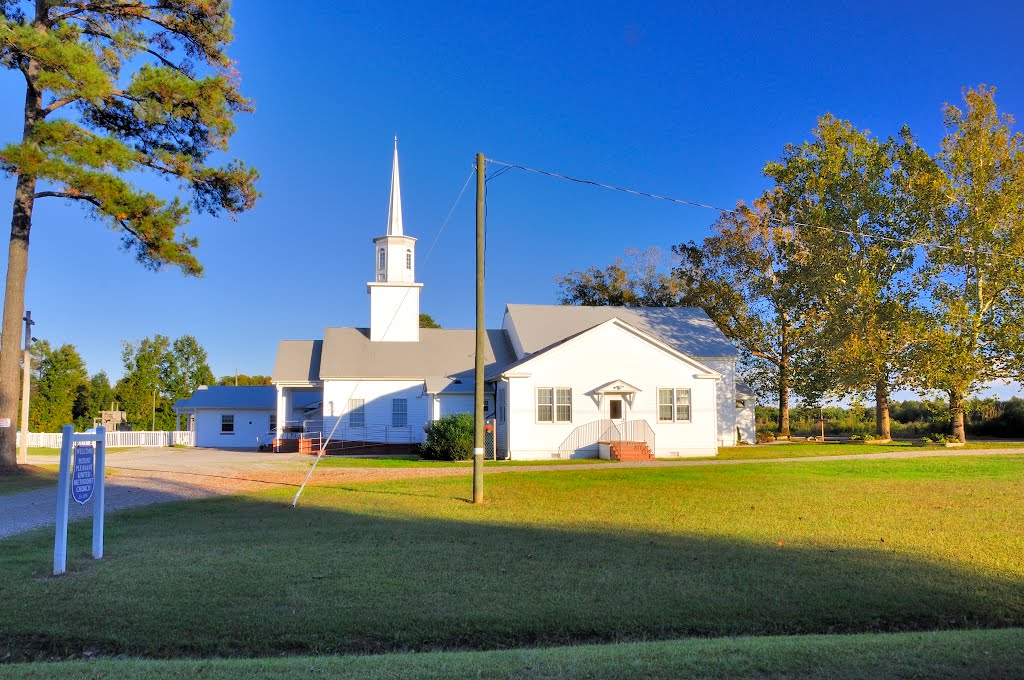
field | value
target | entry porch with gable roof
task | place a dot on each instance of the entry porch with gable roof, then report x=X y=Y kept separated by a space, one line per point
x=609 y=383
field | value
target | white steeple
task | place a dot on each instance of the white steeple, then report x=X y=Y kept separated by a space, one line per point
x=394 y=294
x=395 y=206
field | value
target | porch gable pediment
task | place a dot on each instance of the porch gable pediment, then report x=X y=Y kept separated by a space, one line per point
x=616 y=387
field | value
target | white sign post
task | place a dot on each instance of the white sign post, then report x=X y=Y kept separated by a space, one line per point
x=85 y=475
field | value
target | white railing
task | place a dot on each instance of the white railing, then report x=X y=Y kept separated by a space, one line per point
x=589 y=434
x=53 y=440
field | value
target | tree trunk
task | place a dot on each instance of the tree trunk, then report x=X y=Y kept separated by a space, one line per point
x=882 y=426
x=784 y=399
x=956 y=414
x=14 y=295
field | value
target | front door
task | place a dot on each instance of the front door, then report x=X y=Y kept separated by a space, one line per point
x=615 y=409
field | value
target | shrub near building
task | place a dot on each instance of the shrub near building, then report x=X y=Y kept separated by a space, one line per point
x=449 y=438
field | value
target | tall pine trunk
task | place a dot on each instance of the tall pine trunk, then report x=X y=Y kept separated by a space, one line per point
x=956 y=414
x=14 y=294
x=882 y=424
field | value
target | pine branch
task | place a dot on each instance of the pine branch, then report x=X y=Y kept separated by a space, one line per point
x=89 y=199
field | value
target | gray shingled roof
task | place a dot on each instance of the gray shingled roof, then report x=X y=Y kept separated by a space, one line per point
x=297 y=361
x=688 y=329
x=219 y=396
x=348 y=353
x=744 y=390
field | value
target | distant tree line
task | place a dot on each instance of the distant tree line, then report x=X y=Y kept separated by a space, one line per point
x=158 y=371
x=870 y=266
x=988 y=417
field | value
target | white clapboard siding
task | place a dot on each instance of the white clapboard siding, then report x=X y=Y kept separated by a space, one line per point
x=727 y=413
x=599 y=356
x=378 y=397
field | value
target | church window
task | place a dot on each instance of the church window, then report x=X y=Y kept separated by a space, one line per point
x=399 y=413
x=408 y=259
x=673 y=405
x=554 y=405
x=545 y=405
x=382 y=259
x=357 y=413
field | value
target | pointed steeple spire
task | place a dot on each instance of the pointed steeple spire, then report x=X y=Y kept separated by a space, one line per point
x=395 y=207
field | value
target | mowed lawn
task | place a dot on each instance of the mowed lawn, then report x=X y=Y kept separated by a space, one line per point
x=551 y=558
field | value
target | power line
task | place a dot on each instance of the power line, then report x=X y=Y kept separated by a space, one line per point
x=734 y=211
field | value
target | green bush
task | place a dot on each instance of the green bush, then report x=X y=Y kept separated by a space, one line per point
x=450 y=438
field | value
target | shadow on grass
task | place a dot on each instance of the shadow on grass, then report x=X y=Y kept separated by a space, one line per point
x=246 y=576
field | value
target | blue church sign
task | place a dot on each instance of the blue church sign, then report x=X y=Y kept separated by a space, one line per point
x=83 y=476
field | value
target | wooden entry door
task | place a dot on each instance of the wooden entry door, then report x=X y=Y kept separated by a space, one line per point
x=615 y=409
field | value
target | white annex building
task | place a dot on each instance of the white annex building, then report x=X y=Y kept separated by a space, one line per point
x=559 y=379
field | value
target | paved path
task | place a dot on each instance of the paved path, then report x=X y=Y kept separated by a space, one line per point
x=146 y=476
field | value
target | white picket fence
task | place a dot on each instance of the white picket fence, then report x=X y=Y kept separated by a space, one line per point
x=52 y=440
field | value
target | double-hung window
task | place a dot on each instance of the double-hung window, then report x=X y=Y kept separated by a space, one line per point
x=357 y=413
x=399 y=412
x=554 y=404
x=674 y=405
x=227 y=424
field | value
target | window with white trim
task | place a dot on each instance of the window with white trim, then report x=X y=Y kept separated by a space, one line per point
x=563 y=405
x=399 y=412
x=674 y=405
x=382 y=259
x=554 y=404
x=545 y=404
x=227 y=424
x=408 y=259
x=357 y=413
x=273 y=422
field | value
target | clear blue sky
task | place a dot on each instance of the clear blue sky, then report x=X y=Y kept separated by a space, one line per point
x=670 y=98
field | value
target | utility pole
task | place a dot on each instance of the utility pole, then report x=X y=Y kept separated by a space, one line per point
x=478 y=379
x=25 y=382
x=153 y=427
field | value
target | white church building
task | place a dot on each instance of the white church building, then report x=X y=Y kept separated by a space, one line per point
x=560 y=380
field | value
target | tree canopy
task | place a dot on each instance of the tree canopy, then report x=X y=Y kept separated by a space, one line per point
x=116 y=90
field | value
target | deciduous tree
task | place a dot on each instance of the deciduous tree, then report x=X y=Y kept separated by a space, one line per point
x=853 y=200
x=61 y=377
x=115 y=89
x=974 y=278
x=640 y=279
x=185 y=369
x=743 y=276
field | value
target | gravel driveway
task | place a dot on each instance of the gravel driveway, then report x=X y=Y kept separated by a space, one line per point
x=146 y=476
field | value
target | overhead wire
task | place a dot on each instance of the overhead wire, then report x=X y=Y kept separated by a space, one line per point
x=736 y=211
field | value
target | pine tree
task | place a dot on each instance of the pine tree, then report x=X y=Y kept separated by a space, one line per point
x=115 y=88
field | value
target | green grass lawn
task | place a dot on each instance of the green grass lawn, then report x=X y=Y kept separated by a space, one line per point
x=982 y=654
x=551 y=558
x=810 y=449
x=28 y=477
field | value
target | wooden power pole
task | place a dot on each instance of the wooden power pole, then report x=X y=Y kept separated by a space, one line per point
x=478 y=379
